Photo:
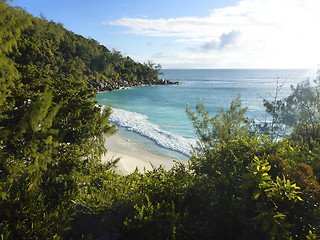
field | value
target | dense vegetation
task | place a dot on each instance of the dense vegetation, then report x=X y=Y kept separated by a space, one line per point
x=239 y=184
x=45 y=48
x=50 y=131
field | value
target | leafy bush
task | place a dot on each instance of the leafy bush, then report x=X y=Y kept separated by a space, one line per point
x=252 y=187
x=242 y=187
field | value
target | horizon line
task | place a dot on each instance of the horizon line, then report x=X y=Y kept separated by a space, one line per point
x=237 y=69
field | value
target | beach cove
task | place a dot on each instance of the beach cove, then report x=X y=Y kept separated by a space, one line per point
x=154 y=119
x=133 y=157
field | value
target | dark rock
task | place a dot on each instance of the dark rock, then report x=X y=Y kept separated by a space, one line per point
x=105 y=85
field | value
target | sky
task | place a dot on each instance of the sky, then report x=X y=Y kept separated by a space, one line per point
x=196 y=33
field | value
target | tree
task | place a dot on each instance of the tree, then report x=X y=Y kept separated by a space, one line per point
x=248 y=187
x=300 y=111
x=154 y=70
x=51 y=130
x=225 y=126
x=12 y=22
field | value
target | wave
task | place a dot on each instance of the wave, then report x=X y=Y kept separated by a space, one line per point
x=139 y=123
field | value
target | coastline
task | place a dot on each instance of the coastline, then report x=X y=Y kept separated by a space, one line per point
x=132 y=156
x=106 y=86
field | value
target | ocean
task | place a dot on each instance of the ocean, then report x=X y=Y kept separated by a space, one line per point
x=154 y=117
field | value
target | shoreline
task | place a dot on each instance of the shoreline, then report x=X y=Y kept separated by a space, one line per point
x=132 y=156
x=106 y=86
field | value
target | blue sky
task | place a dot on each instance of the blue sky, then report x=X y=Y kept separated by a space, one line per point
x=196 y=34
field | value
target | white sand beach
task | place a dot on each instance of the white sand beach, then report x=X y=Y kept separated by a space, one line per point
x=132 y=157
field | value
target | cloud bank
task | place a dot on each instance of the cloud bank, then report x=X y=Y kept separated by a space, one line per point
x=261 y=32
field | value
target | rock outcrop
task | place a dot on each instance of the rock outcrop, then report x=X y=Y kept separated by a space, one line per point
x=104 y=85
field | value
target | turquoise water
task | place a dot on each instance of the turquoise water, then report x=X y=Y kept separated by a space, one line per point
x=154 y=117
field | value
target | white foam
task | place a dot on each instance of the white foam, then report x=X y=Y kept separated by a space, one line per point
x=140 y=124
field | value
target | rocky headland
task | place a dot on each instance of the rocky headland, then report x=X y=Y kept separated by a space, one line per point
x=107 y=86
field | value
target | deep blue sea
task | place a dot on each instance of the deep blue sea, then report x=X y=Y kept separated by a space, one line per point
x=154 y=117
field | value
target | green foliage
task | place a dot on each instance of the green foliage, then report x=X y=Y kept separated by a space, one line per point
x=311 y=236
x=135 y=205
x=48 y=45
x=246 y=189
x=298 y=114
x=252 y=190
x=159 y=221
x=50 y=129
x=224 y=126
x=12 y=22
x=253 y=187
x=268 y=195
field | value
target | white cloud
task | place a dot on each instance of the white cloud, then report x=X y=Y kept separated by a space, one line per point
x=229 y=40
x=263 y=32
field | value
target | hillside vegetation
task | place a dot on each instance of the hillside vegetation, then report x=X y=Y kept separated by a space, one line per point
x=47 y=48
x=246 y=180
